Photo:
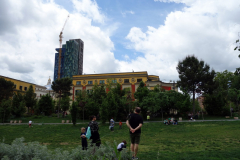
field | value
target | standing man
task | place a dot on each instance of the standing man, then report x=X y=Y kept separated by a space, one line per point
x=134 y=123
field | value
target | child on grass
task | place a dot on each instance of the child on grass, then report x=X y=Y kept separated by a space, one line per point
x=121 y=145
x=84 y=139
x=29 y=123
x=120 y=124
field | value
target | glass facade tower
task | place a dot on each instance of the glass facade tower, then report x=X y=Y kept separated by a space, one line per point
x=72 y=59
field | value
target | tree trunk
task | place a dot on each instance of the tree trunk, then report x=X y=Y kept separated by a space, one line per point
x=59 y=103
x=193 y=102
x=83 y=114
x=162 y=114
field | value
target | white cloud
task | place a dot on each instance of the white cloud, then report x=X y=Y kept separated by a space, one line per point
x=124 y=13
x=90 y=9
x=29 y=36
x=126 y=57
x=204 y=28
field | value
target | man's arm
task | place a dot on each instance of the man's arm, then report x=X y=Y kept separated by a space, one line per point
x=127 y=123
x=139 y=126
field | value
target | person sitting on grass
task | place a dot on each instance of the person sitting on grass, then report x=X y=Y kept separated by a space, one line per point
x=175 y=122
x=169 y=120
x=84 y=139
x=166 y=122
x=121 y=145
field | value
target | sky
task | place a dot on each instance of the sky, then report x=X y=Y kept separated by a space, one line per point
x=118 y=35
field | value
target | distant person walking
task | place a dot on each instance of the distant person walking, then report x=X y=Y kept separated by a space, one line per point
x=148 y=117
x=94 y=131
x=120 y=124
x=112 y=124
x=29 y=123
x=134 y=123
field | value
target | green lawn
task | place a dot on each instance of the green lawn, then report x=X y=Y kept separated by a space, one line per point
x=198 y=140
x=46 y=119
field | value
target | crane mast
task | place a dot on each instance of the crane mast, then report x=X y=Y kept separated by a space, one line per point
x=60 y=49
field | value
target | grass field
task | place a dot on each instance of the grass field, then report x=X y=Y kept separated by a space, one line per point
x=46 y=119
x=194 y=140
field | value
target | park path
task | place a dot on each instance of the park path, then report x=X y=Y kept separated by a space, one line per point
x=122 y=122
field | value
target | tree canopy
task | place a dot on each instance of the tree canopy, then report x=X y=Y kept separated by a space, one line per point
x=30 y=98
x=195 y=77
x=62 y=87
x=6 y=89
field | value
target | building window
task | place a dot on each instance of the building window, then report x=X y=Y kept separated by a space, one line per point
x=15 y=86
x=139 y=80
x=114 y=81
x=89 y=91
x=20 y=87
x=25 y=88
x=77 y=92
x=78 y=82
x=101 y=82
x=90 y=82
x=126 y=80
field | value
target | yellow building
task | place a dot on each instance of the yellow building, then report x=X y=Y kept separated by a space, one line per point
x=19 y=85
x=129 y=80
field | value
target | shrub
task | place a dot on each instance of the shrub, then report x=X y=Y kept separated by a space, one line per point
x=36 y=116
x=54 y=115
x=235 y=114
x=5 y=110
x=26 y=115
x=33 y=150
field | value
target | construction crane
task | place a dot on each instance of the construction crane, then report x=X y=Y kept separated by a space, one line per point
x=60 y=49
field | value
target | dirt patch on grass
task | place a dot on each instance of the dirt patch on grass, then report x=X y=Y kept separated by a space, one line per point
x=46 y=143
x=64 y=143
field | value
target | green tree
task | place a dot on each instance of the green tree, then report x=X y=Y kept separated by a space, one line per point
x=6 y=89
x=224 y=79
x=18 y=104
x=74 y=111
x=234 y=96
x=195 y=77
x=5 y=110
x=65 y=103
x=62 y=87
x=45 y=105
x=30 y=98
x=237 y=46
x=142 y=91
x=214 y=103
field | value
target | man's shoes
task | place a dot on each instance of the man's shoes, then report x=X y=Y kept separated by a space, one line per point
x=134 y=157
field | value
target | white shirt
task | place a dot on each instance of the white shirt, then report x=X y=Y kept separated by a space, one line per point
x=120 y=145
x=30 y=122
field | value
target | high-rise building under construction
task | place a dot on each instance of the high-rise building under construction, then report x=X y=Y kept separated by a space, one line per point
x=71 y=59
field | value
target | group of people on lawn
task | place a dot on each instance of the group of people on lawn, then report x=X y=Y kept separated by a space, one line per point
x=134 y=123
x=169 y=121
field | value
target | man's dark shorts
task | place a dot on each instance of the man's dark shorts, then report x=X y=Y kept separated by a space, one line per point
x=135 y=138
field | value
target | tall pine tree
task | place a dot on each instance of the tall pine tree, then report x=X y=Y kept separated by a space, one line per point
x=195 y=77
